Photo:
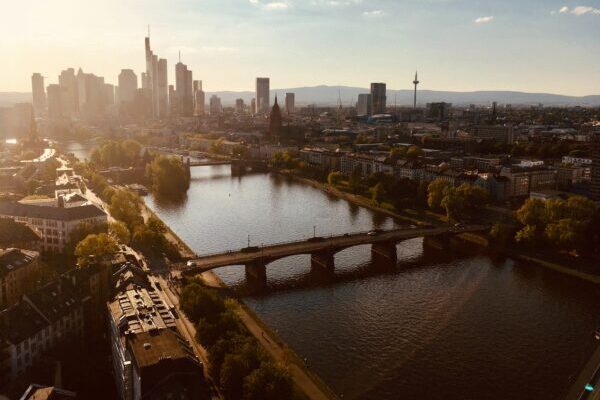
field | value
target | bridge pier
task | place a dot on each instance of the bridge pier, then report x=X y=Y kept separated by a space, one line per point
x=385 y=252
x=439 y=242
x=324 y=260
x=256 y=273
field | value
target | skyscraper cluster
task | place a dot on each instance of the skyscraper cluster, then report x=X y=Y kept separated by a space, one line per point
x=87 y=96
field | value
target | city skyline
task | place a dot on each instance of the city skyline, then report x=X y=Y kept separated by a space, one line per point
x=476 y=42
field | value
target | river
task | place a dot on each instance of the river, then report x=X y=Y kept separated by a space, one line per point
x=438 y=326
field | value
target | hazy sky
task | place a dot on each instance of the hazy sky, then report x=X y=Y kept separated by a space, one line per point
x=527 y=45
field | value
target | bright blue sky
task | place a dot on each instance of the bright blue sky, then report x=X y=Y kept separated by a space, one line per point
x=461 y=45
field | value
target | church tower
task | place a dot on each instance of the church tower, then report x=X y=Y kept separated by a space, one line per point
x=275 y=122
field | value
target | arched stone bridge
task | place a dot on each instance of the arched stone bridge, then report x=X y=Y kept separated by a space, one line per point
x=322 y=250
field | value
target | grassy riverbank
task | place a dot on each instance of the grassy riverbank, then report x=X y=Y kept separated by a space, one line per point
x=428 y=217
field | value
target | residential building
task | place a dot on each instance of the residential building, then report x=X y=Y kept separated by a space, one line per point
x=149 y=354
x=53 y=224
x=522 y=180
x=18 y=235
x=500 y=133
x=40 y=321
x=323 y=159
x=19 y=271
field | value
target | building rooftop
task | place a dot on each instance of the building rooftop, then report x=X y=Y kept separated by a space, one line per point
x=12 y=259
x=141 y=309
x=54 y=213
x=39 y=392
x=14 y=232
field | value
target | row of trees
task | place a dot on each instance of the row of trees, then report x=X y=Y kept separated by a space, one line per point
x=456 y=202
x=114 y=153
x=565 y=224
x=238 y=364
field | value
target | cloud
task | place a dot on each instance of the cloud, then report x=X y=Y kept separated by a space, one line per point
x=374 y=13
x=578 y=10
x=484 y=20
x=272 y=5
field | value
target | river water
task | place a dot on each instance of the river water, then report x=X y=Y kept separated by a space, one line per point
x=438 y=326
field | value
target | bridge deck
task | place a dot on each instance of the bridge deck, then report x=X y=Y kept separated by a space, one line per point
x=334 y=243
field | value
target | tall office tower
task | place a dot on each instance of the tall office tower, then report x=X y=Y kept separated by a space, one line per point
x=262 y=95
x=378 y=98
x=184 y=89
x=163 y=88
x=68 y=81
x=253 y=106
x=109 y=93
x=55 y=101
x=38 y=92
x=128 y=86
x=239 y=106
x=595 y=185
x=92 y=95
x=156 y=81
x=416 y=83
x=215 y=105
x=290 y=103
x=199 y=98
x=363 y=107
x=173 y=102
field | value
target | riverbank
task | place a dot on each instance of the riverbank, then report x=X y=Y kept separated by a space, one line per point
x=307 y=384
x=428 y=217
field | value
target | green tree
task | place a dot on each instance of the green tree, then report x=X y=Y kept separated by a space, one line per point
x=198 y=302
x=564 y=233
x=334 y=178
x=528 y=235
x=378 y=193
x=436 y=191
x=454 y=204
x=532 y=212
x=125 y=206
x=130 y=150
x=233 y=372
x=99 y=245
x=503 y=235
x=355 y=180
x=118 y=231
x=268 y=382
x=168 y=176
x=413 y=153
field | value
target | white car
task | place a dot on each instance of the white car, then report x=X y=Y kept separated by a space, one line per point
x=191 y=263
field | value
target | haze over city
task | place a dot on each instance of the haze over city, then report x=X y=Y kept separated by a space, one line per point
x=456 y=45
x=300 y=200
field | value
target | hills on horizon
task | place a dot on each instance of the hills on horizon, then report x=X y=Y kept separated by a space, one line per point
x=328 y=96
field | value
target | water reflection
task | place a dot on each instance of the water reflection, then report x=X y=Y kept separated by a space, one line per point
x=436 y=326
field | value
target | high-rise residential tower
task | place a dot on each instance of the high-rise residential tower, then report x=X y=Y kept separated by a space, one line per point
x=378 y=98
x=262 y=95
x=290 y=103
x=38 y=92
